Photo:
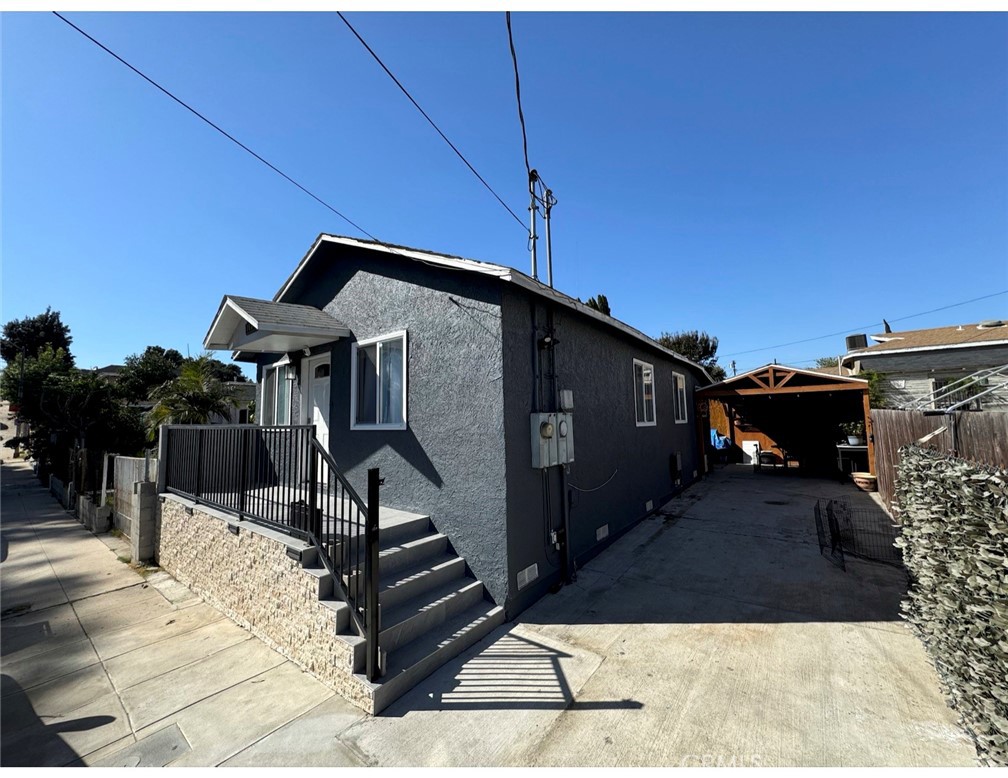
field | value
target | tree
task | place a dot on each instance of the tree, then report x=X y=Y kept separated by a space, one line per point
x=600 y=304
x=877 y=385
x=696 y=346
x=68 y=409
x=827 y=362
x=81 y=410
x=225 y=371
x=27 y=336
x=23 y=380
x=143 y=373
x=195 y=397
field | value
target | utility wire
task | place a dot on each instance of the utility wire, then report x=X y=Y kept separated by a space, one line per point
x=429 y=120
x=223 y=132
x=521 y=116
x=864 y=326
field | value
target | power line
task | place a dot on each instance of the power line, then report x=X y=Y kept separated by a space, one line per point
x=521 y=115
x=429 y=120
x=863 y=326
x=223 y=132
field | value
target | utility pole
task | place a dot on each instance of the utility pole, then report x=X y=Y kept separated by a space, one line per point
x=533 y=207
x=547 y=200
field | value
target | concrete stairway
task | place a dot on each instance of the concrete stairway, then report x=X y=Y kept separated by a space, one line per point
x=431 y=607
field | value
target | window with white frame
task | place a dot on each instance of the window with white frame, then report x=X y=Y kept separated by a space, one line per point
x=277 y=385
x=679 y=390
x=378 y=383
x=644 y=396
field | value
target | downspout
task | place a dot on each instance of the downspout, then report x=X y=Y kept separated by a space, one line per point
x=567 y=570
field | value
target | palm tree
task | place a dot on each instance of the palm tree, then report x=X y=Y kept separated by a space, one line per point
x=195 y=397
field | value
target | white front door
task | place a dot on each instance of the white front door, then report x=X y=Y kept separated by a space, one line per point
x=315 y=409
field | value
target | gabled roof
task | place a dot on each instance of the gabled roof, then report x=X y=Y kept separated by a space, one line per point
x=505 y=274
x=962 y=336
x=781 y=379
x=253 y=325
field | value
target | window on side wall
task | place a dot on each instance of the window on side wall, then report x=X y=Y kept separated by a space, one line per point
x=679 y=389
x=277 y=395
x=644 y=395
x=378 y=383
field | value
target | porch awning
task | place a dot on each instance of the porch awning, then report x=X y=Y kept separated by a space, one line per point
x=261 y=326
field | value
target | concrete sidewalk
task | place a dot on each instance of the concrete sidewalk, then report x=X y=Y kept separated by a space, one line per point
x=96 y=658
x=714 y=634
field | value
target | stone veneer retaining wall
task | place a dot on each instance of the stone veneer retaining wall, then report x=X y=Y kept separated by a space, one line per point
x=250 y=578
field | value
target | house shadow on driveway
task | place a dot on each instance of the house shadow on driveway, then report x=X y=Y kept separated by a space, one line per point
x=740 y=547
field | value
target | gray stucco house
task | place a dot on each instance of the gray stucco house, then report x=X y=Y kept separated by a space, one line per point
x=436 y=369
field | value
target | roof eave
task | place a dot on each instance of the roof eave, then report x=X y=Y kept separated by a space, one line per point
x=875 y=351
x=851 y=379
x=494 y=271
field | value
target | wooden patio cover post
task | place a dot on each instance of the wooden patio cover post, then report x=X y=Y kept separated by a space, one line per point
x=869 y=434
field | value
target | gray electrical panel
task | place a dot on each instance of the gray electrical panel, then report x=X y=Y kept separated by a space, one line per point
x=552 y=437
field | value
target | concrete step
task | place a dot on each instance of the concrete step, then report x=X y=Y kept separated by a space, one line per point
x=410 y=664
x=427 y=613
x=339 y=611
x=395 y=527
x=413 y=581
x=358 y=647
x=325 y=581
x=410 y=552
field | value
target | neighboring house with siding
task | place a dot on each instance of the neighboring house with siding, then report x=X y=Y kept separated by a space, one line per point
x=436 y=369
x=919 y=364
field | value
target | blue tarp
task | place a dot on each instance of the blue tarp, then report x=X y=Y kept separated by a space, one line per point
x=719 y=441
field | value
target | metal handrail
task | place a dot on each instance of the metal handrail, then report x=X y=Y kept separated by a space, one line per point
x=957 y=386
x=281 y=476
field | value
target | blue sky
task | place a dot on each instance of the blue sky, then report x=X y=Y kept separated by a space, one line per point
x=764 y=177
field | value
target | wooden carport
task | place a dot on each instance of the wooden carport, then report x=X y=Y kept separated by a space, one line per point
x=799 y=409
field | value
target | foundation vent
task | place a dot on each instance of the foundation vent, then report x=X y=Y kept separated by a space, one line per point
x=528 y=575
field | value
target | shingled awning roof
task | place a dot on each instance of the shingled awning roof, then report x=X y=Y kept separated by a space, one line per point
x=251 y=325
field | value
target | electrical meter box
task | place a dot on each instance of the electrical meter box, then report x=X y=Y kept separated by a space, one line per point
x=552 y=439
x=565 y=438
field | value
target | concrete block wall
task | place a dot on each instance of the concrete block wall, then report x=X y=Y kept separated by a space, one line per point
x=250 y=578
x=97 y=518
x=142 y=521
x=58 y=490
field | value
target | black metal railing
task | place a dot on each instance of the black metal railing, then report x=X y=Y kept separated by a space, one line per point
x=284 y=478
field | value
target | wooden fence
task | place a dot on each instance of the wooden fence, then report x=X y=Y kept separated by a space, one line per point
x=983 y=437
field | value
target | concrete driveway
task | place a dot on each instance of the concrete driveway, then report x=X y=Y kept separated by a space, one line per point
x=715 y=634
